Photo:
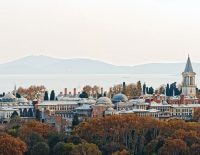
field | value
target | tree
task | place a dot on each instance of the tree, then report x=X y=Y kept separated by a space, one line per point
x=37 y=114
x=123 y=152
x=86 y=149
x=151 y=90
x=161 y=90
x=31 y=92
x=18 y=95
x=62 y=148
x=144 y=88
x=54 y=138
x=87 y=89
x=32 y=139
x=40 y=148
x=175 y=147
x=139 y=88
x=75 y=120
x=196 y=116
x=14 y=115
x=83 y=95
x=46 y=96
x=52 y=95
x=167 y=90
x=11 y=146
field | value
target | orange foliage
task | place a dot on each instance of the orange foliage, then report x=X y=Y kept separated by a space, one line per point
x=35 y=126
x=11 y=146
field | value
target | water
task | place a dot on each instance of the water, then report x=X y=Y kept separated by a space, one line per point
x=59 y=82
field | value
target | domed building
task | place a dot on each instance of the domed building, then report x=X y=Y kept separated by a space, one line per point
x=119 y=98
x=104 y=101
x=102 y=104
x=23 y=107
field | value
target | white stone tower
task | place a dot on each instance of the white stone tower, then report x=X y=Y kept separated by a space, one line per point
x=188 y=84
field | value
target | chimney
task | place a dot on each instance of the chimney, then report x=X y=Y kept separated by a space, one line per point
x=74 y=91
x=110 y=92
x=65 y=92
x=182 y=99
x=102 y=91
x=124 y=87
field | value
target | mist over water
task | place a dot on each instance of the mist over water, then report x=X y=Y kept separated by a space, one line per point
x=59 y=82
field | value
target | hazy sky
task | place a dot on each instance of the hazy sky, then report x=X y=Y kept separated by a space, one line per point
x=117 y=31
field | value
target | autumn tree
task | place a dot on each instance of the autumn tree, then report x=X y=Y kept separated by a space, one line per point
x=175 y=147
x=123 y=152
x=31 y=92
x=196 y=116
x=85 y=148
x=87 y=89
x=11 y=146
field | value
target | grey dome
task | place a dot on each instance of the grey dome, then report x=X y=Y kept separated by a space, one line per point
x=119 y=98
x=104 y=100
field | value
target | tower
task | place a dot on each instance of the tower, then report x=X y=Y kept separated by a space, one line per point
x=188 y=84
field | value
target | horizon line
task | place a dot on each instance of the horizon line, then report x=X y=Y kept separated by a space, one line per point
x=95 y=59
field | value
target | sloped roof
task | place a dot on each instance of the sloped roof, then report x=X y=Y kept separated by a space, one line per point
x=188 y=67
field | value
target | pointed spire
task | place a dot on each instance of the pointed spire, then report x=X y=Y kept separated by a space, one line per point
x=188 y=67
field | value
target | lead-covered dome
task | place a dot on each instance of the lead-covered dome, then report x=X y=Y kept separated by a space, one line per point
x=119 y=98
x=104 y=100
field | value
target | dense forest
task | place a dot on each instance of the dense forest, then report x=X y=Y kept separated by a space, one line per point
x=141 y=135
x=112 y=135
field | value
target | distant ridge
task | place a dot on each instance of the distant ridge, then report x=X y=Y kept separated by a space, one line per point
x=48 y=65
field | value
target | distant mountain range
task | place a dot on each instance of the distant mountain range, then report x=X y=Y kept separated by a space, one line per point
x=48 y=65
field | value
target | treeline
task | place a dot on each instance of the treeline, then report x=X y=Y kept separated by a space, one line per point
x=35 y=138
x=141 y=135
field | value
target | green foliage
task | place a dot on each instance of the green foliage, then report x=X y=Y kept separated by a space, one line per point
x=46 y=96
x=86 y=149
x=83 y=95
x=52 y=95
x=75 y=120
x=40 y=148
x=14 y=115
x=62 y=148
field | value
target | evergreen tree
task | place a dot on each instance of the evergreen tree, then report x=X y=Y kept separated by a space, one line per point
x=151 y=90
x=18 y=95
x=83 y=95
x=75 y=120
x=167 y=90
x=144 y=88
x=52 y=95
x=46 y=96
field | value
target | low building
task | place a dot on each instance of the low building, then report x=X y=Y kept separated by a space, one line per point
x=6 y=113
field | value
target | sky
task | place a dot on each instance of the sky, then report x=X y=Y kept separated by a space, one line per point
x=121 y=32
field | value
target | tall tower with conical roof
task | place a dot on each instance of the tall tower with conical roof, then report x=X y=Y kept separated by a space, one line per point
x=188 y=84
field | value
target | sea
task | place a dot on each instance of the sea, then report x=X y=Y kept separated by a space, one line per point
x=58 y=82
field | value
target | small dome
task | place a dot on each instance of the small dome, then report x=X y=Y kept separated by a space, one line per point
x=104 y=100
x=119 y=98
x=22 y=99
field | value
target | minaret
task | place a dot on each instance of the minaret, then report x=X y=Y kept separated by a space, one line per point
x=188 y=84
